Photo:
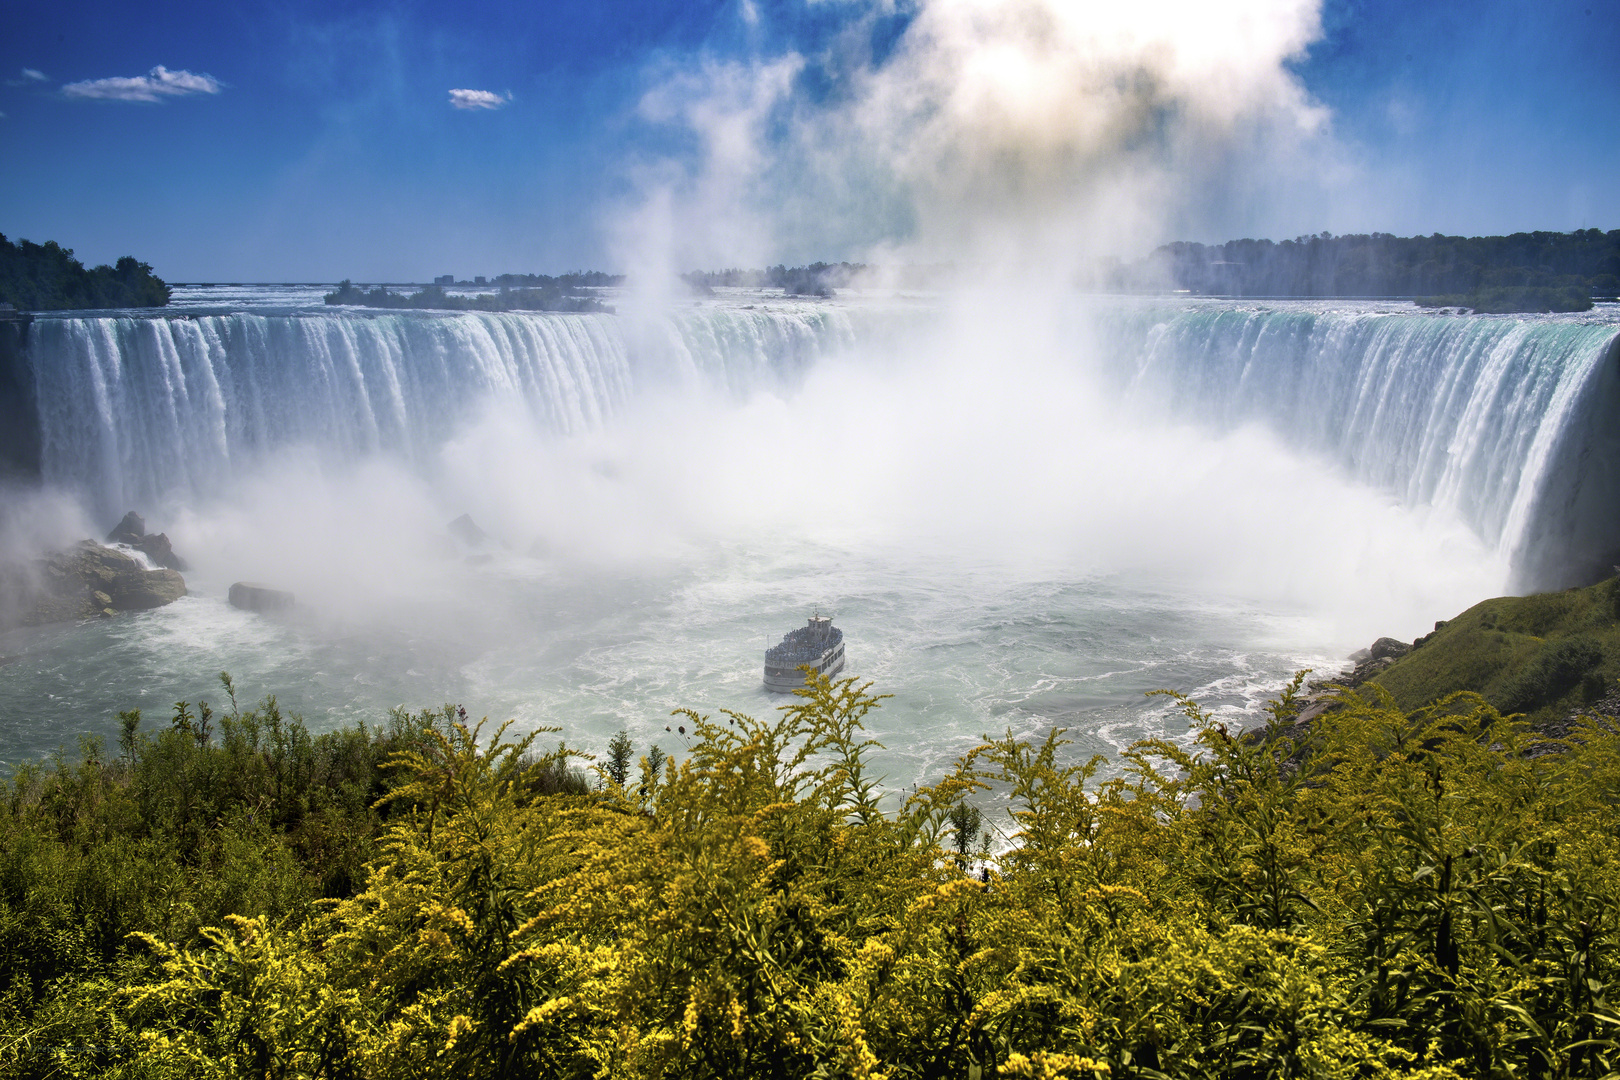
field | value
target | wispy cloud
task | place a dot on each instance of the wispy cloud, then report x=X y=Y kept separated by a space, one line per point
x=29 y=75
x=478 y=99
x=157 y=84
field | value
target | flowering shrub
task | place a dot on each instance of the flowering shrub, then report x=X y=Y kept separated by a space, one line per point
x=1428 y=894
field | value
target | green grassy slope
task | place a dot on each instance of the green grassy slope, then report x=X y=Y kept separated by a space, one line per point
x=1540 y=655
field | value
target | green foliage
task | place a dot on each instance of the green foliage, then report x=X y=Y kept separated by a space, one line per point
x=1489 y=273
x=620 y=752
x=46 y=277
x=1541 y=655
x=1422 y=893
x=816 y=279
x=554 y=295
x=1510 y=300
x=240 y=814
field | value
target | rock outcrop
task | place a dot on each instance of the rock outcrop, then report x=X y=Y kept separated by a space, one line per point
x=131 y=532
x=466 y=530
x=251 y=596
x=85 y=581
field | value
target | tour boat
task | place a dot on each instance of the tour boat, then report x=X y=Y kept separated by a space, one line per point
x=820 y=645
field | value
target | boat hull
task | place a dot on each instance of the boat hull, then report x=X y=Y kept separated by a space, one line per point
x=780 y=680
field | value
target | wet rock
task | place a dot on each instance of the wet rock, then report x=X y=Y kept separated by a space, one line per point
x=131 y=531
x=89 y=580
x=147 y=589
x=466 y=530
x=251 y=596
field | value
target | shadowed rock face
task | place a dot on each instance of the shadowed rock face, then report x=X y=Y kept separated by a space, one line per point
x=155 y=546
x=83 y=582
x=19 y=407
x=251 y=596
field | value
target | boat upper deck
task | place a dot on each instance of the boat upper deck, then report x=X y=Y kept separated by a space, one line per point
x=807 y=644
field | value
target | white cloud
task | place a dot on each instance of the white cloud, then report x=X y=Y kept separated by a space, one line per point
x=155 y=85
x=478 y=99
x=29 y=75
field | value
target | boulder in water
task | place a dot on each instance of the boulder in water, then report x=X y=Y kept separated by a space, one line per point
x=251 y=596
x=147 y=589
x=465 y=529
x=85 y=581
x=131 y=531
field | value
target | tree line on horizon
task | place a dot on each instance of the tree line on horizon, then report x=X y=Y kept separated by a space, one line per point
x=1455 y=268
x=813 y=279
x=46 y=277
x=551 y=296
x=1531 y=271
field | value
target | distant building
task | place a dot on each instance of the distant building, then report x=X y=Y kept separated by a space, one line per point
x=479 y=280
x=445 y=279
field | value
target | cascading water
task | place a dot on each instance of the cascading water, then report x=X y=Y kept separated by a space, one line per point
x=669 y=494
x=136 y=411
x=1504 y=422
x=1509 y=423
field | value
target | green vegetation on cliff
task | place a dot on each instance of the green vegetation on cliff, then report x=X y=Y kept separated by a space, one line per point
x=1542 y=655
x=46 y=277
x=1423 y=896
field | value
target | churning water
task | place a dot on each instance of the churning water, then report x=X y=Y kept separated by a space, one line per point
x=1020 y=516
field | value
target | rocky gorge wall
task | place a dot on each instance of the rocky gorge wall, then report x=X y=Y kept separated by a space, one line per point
x=19 y=404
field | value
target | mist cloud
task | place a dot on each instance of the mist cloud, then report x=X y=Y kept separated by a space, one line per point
x=1020 y=129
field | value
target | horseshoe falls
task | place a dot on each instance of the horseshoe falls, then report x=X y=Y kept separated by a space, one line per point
x=1511 y=423
x=1020 y=518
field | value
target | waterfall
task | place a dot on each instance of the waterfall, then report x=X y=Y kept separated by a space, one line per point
x=1506 y=423
x=138 y=410
x=1510 y=423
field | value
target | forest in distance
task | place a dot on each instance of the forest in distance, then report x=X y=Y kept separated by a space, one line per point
x=1450 y=270
x=551 y=295
x=1523 y=272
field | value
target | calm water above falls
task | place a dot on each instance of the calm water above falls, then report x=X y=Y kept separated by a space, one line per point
x=1014 y=529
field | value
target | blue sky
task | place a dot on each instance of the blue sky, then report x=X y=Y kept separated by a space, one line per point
x=297 y=141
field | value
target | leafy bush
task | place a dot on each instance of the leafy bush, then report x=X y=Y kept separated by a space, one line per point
x=1556 y=670
x=1410 y=894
